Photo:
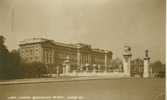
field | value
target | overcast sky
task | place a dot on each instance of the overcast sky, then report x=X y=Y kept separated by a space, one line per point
x=105 y=24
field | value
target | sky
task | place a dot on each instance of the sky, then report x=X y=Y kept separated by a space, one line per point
x=105 y=24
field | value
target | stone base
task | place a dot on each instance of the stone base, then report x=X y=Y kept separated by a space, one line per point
x=146 y=75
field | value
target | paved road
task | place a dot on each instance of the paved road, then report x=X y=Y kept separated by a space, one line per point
x=103 y=89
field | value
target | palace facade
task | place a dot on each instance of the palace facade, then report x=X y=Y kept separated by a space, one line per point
x=52 y=53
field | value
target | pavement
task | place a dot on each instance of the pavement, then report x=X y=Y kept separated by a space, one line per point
x=59 y=79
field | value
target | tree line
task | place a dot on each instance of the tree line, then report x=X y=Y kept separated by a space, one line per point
x=12 y=67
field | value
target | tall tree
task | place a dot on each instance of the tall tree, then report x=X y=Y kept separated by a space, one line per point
x=16 y=69
x=12 y=67
x=9 y=62
x=4 y=59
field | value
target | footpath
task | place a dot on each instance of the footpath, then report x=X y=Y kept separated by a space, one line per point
x=47 y=80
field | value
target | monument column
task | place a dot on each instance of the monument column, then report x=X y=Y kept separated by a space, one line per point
x=146 y=65
x=126 y=60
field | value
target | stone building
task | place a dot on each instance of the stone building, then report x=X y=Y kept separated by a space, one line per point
x=52 y=54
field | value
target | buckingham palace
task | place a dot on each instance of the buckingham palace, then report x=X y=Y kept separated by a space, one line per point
x=78 y=56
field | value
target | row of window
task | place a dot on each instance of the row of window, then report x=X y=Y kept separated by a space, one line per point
x=85 y=59
x=31 y=59
x=48 y=56
x=30 y=51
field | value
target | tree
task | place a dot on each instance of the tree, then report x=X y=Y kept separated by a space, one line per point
x=9 y=62
x=158 y=69
x=15 y=64
x=117 y=64
x=34 y=69
x=12 y=67
x=4 y=59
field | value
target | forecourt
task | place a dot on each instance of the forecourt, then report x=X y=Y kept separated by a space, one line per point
x=88 y=89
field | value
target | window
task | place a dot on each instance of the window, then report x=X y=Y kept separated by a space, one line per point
x=31 y=52
x=30 y=58
x=36 y=58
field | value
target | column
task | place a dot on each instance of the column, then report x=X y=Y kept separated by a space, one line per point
x=94 y=68
x=57 y=71
x=67 y=68
x=146 y=65
x=89 y=60
x=105 y=61
x=99 y=67
x=41 y=54
x=78 y=57
x=67 y=65
x=64 y=69
x=52 y=56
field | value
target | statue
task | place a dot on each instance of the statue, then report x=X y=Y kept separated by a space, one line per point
x=146 y=53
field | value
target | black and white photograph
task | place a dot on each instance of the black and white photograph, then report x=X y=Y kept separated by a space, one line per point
x=82 y=49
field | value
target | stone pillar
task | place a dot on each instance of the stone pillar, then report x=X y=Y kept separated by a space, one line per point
x=67 y=68
x=126 y=60
x=67 y=65
x=64 y=69
x=57 y=71
x=81 y=68
x=53 y=56
x=78 y=56
x=94 y=68
x=89 y=59
x=87 y=65
x=146 y=65
x=99 y=67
